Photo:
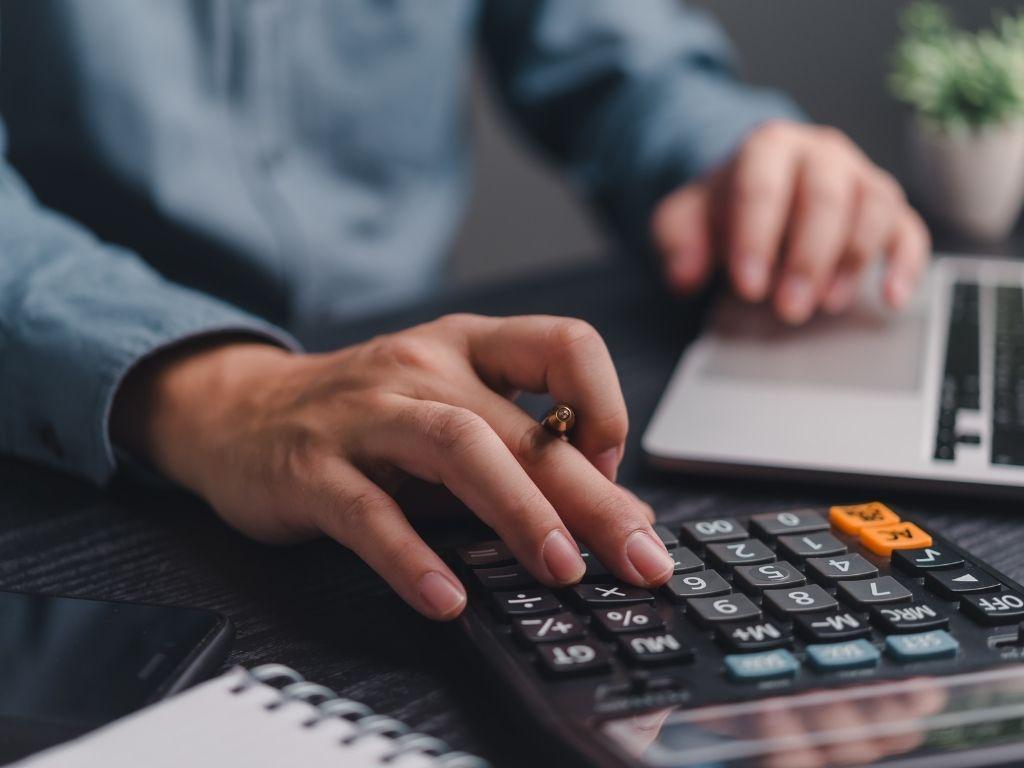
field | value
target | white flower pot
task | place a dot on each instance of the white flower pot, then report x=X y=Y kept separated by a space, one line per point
x=971 y=180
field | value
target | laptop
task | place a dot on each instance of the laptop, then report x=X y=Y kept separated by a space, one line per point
x=933 y=394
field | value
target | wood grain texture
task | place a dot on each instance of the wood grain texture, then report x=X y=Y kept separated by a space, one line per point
x=317 y=608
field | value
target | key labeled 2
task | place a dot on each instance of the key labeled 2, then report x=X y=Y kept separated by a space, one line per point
x=730 y=554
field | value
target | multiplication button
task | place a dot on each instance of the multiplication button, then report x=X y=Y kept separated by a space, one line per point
x=609 y=593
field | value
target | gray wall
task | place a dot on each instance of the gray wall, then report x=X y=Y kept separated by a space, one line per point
x=831 y=55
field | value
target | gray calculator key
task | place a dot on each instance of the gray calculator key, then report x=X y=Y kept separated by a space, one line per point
x=526 y=602
x=595 y=568
x=754 y=578
x=808 y=599
x=963 y=581
x=772 y=524
x=685 y=561
x=708 y=611
x=572 y=658
x=504 y=577
x=732 y=553
x=800 y=546
x=668 y=538
x=610 y=593
x=628 y=618
x=698 y=584
x=829 y=570
x=546 y=629
x=1004 y=608
x=933 y=558
x=701 y=532
x=868 y=592
x=485 y=553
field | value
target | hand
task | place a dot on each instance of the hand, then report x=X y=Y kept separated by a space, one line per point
x=288 y=446
x=798 y=213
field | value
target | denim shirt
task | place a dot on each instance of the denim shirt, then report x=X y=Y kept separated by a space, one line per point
x=179 y=168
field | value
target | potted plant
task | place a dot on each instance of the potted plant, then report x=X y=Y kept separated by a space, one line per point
x=967 y=136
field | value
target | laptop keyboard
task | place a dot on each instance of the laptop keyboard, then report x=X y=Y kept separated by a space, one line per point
x=961 y=379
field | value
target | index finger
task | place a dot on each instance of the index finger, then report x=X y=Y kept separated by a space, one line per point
x=566 y=358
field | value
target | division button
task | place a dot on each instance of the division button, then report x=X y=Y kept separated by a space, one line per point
x=917 y=617
x=829 y=570
x=578 y=657
x=774 y=524
x=852 y=517
x=701 y=532
x=728 y=554
x=526 y=602
x=883 y=539
x=852 y=654
x=921 y=646
x=751 y=667
x=1004 y=608
x=708 y=611
x=953 y=584
x=832 y=627
x=629 y=618
x=699 y=584
x=917 y=561
x=809 y=599
x=655 y=648
x=867 y=592
x=753 y=635
x=545 y=629
x=754 y=578
x=485 y=553
x=801 y=546
x=610 y=593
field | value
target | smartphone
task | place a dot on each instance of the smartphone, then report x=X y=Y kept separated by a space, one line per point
x=69 y=665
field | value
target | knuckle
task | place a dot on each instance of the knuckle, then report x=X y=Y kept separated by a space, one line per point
x=355 y=510
x=452 y=428
x=569 y=333
x=754 y=189
x=834 y=139
x=404 y=351
x=772 y=131
x=826 y=194
x=533 y=446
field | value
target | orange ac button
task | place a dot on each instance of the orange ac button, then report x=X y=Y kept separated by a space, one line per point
x=883 y=539
x=853 y=517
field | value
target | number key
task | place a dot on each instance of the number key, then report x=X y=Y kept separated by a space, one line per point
x=701 y=532
x=801 y=546
x=685 y=561
x=868 y=592
x=699 y=584
x=729 y=554
x=667 y=537
x=775 y=524
x=708 y=611
x=754 y=578
x=829 y=570
x=807 y=599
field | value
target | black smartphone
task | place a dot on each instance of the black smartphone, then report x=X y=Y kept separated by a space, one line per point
x=69 y=665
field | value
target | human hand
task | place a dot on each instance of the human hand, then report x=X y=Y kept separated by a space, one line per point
x=288 y=446
x=797 y=214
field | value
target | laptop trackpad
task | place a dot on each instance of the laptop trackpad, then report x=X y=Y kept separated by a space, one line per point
x=867 y=348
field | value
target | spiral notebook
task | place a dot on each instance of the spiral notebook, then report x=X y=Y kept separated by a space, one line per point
x=266 y=717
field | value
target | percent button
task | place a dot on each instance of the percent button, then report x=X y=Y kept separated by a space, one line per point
x=635 y=618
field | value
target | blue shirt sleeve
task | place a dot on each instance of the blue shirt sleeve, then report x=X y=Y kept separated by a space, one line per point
x=634 y=98
x=75 y=316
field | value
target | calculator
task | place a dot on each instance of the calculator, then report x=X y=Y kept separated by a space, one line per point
x=848 y=635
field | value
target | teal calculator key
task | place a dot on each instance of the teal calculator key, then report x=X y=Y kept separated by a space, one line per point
x=761 y=666
x=922 y=646
x=851 y=654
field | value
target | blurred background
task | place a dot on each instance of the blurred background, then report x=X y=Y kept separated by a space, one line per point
x=832 y=56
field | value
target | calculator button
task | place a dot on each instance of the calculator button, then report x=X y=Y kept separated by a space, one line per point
x=630 y=618
x=485 y=553
x=753 y=636
x=701 y=532
x=852 y=654
x=504 y=577
x=775 y=524
x=573 y=658
x=595 y=568
x=801 y=546
x=699 y=584
x=1004 y=608
x=529 y=601
x=867 y=592
x=667 y=537
x=922 y=646
x=729 y=554
x=708 y=611
x=963 y=581
x=832 y=627
x=917 y=617
x=761 y=666
x=544 y=629
x=829 y=570
x=800 y=600
x=684 y=561
x=917 y=561
x=655 y=648
x=610 y=594
x=754 y=578
x=852 y=517
x=883 y=539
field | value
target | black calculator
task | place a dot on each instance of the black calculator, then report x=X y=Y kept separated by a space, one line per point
x=805 y=638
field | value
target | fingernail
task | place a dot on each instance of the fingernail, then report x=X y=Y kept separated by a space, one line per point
x=607 y=463
x=796 y=298
x=753 y=277
x=562 y=558
x=649 y=557
x=840 y=294
x=444 y=598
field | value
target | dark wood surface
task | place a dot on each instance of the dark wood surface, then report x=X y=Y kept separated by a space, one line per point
x=317 y=608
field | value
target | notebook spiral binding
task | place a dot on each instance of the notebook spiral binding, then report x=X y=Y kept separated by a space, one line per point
x=293 y=686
